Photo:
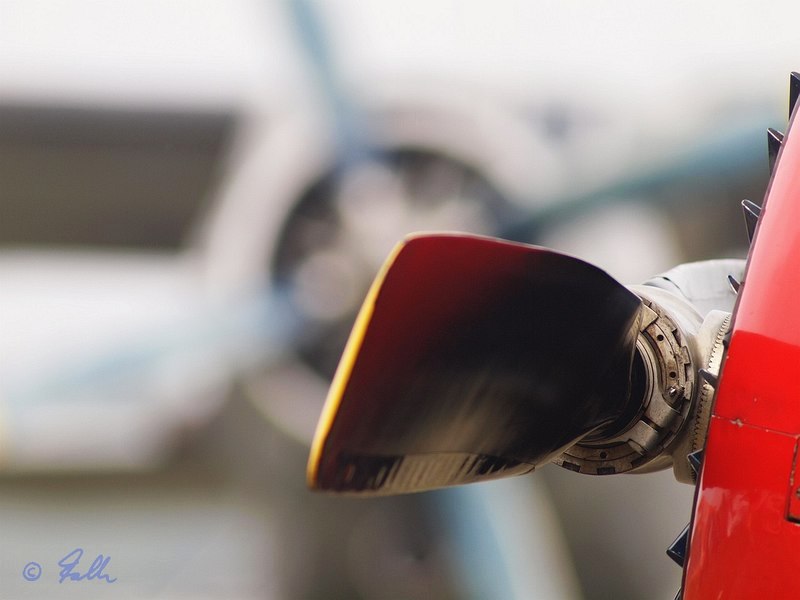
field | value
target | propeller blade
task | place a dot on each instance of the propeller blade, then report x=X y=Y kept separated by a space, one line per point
x=471 y=359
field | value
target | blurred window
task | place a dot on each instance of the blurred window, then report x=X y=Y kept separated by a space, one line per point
x=80 y=176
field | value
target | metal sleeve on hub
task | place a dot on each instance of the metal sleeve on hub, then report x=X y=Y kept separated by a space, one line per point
x=664 y=376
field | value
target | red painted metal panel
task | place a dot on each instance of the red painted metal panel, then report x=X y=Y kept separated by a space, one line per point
x=743 y=544
x=764 y=356
x=761 y=381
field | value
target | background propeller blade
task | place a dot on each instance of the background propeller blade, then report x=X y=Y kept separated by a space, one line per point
x=471 y=359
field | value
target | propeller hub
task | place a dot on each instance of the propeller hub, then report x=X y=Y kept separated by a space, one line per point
x=663 y=382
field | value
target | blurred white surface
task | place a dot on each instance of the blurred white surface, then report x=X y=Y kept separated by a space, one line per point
x=106 y=359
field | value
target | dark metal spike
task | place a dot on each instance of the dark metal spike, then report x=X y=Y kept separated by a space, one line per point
x=794 y=90
x=677 y=549
x=695 y=459
x=774 y=141
x=751 y=213
x=735 y=285
x=709 y=377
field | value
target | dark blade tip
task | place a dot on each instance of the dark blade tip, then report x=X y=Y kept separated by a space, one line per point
x=775 y=134
x=774 y=141
x=794 y=90
x=695 y=460
x=751 y=208
x=709 y=377
x=752 y=212
x=677 y=550
x=735 y=285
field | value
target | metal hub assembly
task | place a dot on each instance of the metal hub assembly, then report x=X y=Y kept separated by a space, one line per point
x=664 y=378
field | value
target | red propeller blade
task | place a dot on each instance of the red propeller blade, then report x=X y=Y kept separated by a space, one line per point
x=471 y=359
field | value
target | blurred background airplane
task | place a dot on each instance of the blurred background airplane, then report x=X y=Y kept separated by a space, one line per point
x=196 y=195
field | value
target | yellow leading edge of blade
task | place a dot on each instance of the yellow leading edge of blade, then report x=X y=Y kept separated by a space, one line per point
x=346 y=364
